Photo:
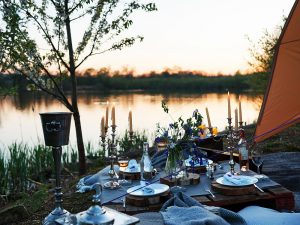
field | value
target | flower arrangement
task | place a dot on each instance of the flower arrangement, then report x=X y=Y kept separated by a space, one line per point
x=178 y=137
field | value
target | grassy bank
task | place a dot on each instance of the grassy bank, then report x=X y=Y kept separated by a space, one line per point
x=285 y=141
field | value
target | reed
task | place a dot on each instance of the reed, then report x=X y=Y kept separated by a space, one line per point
x=3 y=175
x=18 y=164
x=40 y=161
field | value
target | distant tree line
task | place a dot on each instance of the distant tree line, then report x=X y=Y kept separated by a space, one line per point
x=104 y=81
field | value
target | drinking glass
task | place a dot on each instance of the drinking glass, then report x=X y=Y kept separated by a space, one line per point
x=257 y=160
x=123 y=162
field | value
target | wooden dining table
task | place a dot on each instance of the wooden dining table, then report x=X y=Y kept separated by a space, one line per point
x=275 y=197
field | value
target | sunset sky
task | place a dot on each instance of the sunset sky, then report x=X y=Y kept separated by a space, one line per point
x=205 y=35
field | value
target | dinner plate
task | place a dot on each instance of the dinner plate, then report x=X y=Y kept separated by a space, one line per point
x=205 y=161
x=149 y=190
x=247 y=181
x=135 y=170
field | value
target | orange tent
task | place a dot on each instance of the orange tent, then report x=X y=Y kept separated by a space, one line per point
x=281 y=105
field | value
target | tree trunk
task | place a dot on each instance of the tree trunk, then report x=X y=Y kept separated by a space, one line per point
x=80 y=145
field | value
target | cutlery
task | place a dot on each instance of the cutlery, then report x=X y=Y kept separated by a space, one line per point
x=258 y=188
x=212 y=195
x=124 y=202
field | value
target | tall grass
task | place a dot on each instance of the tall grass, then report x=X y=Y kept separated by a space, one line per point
x=40 y=161
x=3 y=175
x=25 y=163
x=18 y=168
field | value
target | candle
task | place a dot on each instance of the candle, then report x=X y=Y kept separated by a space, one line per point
x=113 y=116
x=236 y=119
x=229 y=108
x=130 y=121
x=106 y=116
x=208 y=118
x=102 y=127
x=240 y=110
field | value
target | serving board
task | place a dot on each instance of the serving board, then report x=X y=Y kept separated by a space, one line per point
x=133 y=175
x=192 y=179
x=229 y=190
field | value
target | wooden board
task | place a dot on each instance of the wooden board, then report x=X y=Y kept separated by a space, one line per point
x=130 y=176
x=146 y=201
x=192 y=179
x=135 y=175
x=227 y=190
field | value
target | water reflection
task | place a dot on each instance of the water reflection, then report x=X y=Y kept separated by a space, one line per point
x=20 y=121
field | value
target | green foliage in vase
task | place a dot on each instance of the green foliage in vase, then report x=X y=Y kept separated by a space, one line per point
x=178 y=135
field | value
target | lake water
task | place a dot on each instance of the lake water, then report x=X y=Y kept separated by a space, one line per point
x=20 y=120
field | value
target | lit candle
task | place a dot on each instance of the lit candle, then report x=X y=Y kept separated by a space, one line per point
x=113 y=116
x=240 y=110
x=130 y=121
x=106 y=115
x=208 y=118
x=102 y=127
x=229 y=108
x=236 y=119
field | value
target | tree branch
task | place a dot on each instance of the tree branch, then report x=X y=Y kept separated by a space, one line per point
x=47 y=36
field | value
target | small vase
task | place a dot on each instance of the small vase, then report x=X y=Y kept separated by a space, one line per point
x=172 y=167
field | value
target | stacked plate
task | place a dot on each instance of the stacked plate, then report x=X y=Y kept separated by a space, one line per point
x=149 y=190
x=236 y=180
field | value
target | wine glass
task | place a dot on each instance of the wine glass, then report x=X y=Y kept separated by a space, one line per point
x=257 y=160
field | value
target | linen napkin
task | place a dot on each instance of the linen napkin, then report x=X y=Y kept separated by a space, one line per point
x=236 y=179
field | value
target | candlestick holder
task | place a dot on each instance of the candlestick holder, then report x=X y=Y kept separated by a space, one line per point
x=58 y=211
x=112 y=151
x=230 y=147
x=241 y=124
x=103 y=142
x=211 y=131
x=56 y=129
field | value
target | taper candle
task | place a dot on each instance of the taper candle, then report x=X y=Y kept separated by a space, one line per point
x=113 y=116
x=208 y=118
x=106 y=116
x=130 y=121
x=102 y=127
x=229 y=107
x=240 y=110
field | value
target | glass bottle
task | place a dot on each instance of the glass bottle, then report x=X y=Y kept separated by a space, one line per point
x=145 y=165
x=243 y=151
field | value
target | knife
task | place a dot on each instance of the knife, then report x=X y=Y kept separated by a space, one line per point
x=258 y=188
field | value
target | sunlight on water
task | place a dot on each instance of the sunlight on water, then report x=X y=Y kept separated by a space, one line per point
x=20 y=121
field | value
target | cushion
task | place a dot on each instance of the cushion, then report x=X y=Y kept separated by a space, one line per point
x=256 y=215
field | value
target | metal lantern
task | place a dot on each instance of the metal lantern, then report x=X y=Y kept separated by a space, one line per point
x=56 y=129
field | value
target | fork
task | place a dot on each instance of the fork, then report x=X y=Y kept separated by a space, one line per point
x=209 y=191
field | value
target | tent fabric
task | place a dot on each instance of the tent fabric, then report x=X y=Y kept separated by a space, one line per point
x=281 y=105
